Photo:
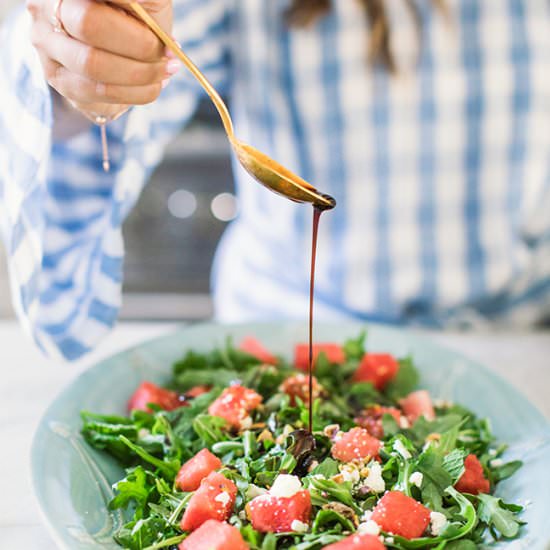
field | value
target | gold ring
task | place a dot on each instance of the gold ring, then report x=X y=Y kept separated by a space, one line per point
x=55 y=20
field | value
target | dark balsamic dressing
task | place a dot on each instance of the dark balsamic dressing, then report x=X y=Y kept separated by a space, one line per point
x=317 y=211
x=301 y=443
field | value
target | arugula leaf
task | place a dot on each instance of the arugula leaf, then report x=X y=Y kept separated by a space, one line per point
x=327 y=468
x=133 y=487
x=103 y=432
x=448 y=439
x=436 y=478
x=495 y=513
x=210 y=429
x=269 y=542
x=404 y=382
x=170 y=469
x=505 y=470
x=389 y=425
x=364 y=393
x=341 y=492
x=463 y=544
x=331 y=517
x=207 y=377
x=170 y=542
x=441 y=425
x=142 y=533
x=354 y=348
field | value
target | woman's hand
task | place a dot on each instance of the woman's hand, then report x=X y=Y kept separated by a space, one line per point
x=106 y=59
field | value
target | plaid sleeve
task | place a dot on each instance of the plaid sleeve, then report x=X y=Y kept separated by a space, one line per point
x=60 y=214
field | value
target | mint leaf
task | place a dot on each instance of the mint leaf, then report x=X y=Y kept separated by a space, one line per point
x=453 y=464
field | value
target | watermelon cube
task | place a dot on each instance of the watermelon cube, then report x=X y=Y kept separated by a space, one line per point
x=355 y=444
x=234 y=405
x=401 y=515
x=274 y=514
x=214 y=535
x=417 y=404
x=334 y=353
x=254 y=347
x=196 y=469
x=378 y=368
x=357 y=542
x=147 y=393
x=298 y=386
x=473 y=479
x=214 y=499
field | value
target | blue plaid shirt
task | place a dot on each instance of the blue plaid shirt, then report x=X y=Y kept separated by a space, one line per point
x=441 y=173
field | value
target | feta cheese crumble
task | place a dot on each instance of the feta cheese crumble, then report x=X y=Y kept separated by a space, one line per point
x=401 y=449
x=404 y=423
x=437 y=523
x=416 y=478
x=374 y=480
x=223 y=497
x=285 y=485
x=299 y=526
x=366 y=515
x=351 y=475
x=369 y=527
x=496 y=462
x=254 y=491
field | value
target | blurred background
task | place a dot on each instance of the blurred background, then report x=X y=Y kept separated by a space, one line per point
x=172 y=233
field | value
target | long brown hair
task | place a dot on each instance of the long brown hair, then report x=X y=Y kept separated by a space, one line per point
x=302 y=13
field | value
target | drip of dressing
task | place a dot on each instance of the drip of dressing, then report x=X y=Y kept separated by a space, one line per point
x=316 y=217
x=317 y=211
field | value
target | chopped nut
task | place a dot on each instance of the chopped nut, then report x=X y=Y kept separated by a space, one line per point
x=257 y=425
x=331 y=430
x=338 y=478
x=266 y=435
x=433 y=437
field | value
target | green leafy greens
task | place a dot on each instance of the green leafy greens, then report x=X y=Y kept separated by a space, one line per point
x=423 y=460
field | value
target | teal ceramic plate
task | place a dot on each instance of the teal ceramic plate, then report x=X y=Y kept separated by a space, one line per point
x=73 y=482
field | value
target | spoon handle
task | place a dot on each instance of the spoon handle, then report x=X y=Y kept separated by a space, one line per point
x=173 y=46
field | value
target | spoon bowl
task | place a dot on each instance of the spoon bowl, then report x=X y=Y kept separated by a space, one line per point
x=279 y=179
x=261 y=167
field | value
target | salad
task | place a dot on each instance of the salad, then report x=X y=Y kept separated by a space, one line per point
x=221 y=459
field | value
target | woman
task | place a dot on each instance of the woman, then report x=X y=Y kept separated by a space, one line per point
x=428 y=122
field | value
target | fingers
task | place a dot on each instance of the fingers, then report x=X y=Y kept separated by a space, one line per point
x=106 y=56
x=152 y=6
x=99 y=65
x=85 y=91
x=111 y=29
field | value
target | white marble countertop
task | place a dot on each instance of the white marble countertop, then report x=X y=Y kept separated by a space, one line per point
x=30 y=382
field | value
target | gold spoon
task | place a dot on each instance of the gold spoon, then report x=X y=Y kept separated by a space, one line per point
x=263 y=168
